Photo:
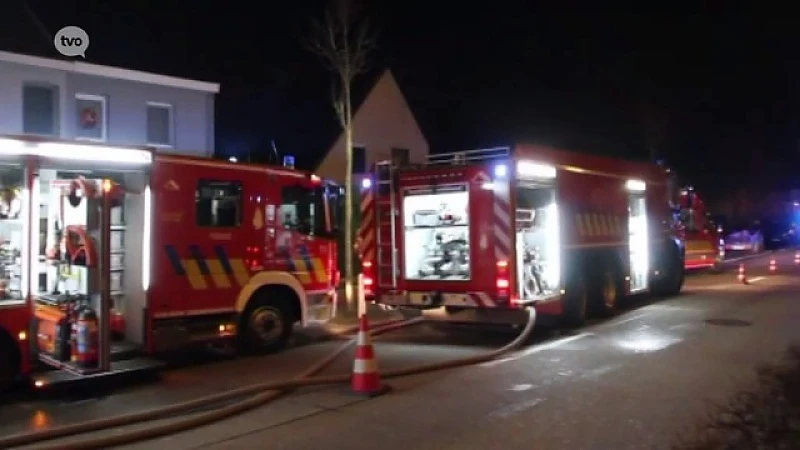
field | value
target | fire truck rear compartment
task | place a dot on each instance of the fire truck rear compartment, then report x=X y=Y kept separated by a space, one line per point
x=437 y=234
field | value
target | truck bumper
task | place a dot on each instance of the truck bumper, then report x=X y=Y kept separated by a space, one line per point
x=469 y=307
x=432 y=299
x=321 y=307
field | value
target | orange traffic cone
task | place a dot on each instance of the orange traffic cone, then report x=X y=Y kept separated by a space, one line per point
x=742 y=277
x=773 y=265
x=366 y=380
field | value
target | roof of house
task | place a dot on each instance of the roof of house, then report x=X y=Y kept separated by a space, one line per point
x=307 y=126
x=118 y=73
x=23 y=40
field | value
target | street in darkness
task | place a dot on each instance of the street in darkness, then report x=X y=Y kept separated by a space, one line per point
x=634 y=381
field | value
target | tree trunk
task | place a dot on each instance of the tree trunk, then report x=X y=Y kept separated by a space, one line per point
x=348 y=200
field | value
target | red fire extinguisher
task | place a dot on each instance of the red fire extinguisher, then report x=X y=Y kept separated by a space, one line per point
x=86 y=341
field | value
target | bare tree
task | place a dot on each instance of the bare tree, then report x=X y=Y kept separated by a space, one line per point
x=344 y=40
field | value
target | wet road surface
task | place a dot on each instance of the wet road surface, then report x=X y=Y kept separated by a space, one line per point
x=630 y=382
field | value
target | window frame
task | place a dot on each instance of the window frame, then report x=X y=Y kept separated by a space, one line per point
x=104 y=116
x=321 y=215
x=55 y=90
x=204 y=182
x=170 y=124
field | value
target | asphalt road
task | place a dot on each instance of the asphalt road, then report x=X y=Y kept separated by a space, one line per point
x=634 y=381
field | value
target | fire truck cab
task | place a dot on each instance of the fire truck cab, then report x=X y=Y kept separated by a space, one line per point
x=113 y=255
x=705 y=248
x=478 y=235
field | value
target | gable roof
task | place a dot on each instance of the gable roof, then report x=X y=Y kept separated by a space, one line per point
x=360 y=100
x=303 y=122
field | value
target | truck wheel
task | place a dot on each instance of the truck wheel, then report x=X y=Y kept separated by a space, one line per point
x=607 y=291
x=672 y=281
x=266 y=326
x=9 y=364
x=576 y=303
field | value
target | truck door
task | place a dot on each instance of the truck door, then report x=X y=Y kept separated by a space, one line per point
x=637 y=240
x=302 y=244
x=538 y=244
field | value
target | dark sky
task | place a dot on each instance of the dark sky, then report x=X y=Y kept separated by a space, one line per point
x=553 y=72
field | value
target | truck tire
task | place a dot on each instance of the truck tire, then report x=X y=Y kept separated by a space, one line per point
x=672 y=281
x=266 y=324
x=576 y=303
x=9 y=363
x=606 y=291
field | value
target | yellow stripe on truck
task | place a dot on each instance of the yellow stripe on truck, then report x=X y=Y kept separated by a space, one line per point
x=218 y=274
x=319 y=270
x=240 y=272
x=193 y=274
x=303 y=275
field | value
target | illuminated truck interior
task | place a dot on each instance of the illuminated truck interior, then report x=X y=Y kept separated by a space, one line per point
x=437 y=226
x=538 y=240
x=637 y=232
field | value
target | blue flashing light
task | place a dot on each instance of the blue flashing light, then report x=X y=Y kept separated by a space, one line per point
x=288 y=161
x=366 y=183
x=500 y=170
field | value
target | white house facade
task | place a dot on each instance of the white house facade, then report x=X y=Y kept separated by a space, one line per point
x=77 y=100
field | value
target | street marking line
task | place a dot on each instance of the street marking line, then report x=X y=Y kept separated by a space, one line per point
x=539 y=348
x=728 y=285
x=515 y=408
x=623 y=321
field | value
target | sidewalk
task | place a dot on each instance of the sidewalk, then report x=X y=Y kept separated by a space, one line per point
x=347 y=318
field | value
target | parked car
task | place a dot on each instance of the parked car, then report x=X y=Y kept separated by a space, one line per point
x=745 y=240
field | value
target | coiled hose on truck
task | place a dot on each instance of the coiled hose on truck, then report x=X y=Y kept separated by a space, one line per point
x=266 y=392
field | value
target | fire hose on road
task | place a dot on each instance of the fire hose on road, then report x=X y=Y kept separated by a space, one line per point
x=265 y=392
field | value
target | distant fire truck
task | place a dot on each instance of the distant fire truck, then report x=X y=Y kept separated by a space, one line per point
x=117 y=254
x=476 y=236
x=705 y=248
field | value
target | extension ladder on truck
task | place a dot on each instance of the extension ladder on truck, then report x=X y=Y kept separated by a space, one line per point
x=385 y=214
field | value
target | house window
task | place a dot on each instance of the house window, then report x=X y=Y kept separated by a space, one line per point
x=359 y=159
x=159 y=124
x=91 y=117
x=39 y=110
x=218 y=203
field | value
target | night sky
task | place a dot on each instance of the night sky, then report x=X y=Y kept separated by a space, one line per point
x=556 y=73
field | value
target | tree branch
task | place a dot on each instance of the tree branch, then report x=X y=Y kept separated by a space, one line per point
x=343 y=40
x=343 y=43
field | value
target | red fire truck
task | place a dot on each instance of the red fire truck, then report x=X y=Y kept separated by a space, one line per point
x=705 y=248
x=475 y=236
x=116 y=254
